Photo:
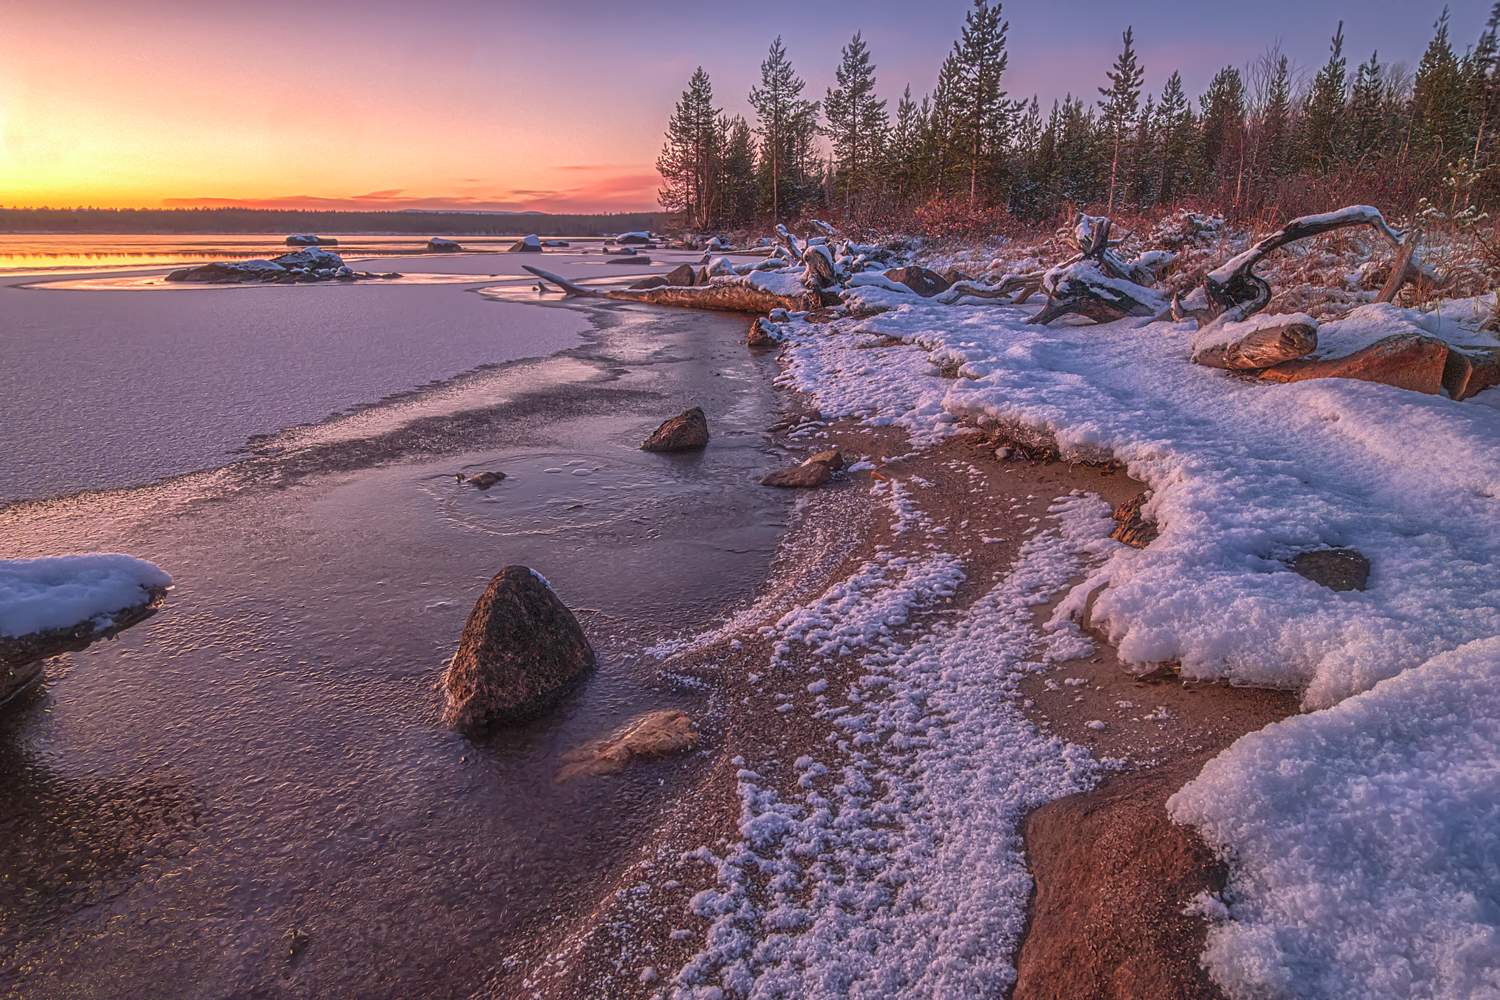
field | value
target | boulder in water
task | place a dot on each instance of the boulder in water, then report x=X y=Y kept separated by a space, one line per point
x=522 y=652
x=682 y=276
x=625 y=239
x=809 y=476
x=688 y=431
x=439 y=245
x=309 y=240
x=655 y=734
x=528 y=244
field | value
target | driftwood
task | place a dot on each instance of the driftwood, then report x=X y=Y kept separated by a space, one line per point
x=1097 y=284
x=724 y=296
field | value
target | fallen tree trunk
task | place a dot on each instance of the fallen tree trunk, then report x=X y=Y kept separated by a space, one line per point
x=723 y=296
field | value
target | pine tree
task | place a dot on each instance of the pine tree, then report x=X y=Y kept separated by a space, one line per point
x=688 y=163
x=1139 y=186
x=1324 y=119
x=738 y=182
x=785 y=123
x=979 y=112
x=857 y=122
x=1121 y=101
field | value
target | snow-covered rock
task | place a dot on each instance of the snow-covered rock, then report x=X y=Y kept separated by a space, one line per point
x=440 y=245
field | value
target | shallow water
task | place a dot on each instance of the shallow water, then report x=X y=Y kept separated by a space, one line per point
x=252 y=793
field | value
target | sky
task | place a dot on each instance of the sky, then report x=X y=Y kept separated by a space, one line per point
x=549 y=106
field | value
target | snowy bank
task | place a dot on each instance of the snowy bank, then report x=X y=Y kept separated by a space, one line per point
x=1366 y=840
x=64 y=591
x=1245 y=476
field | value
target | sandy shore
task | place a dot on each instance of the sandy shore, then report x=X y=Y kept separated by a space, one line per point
x=1158 y=732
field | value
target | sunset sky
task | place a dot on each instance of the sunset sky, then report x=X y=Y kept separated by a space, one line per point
x=511 y=106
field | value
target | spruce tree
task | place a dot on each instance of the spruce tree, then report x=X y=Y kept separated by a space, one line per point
x=1120 y=104
x=1324 y=119
x=1174 y=116
x=688 y=163
x=903 y=155
x=1272 y=143
x=857 y=122
x=1223 y=107
x=1436 y=100
x=1367 y=112
x=785 y=123
x=738 y=180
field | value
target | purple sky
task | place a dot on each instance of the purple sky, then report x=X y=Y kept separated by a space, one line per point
x=556 y=106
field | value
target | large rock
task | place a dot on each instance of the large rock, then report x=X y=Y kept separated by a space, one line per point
x=439 y=245
x=640 y=260
x=522 y=651
x=1471 y=370
x=1406 y=361
x=833 y=458
x=309 y=240
x=529 y=244
x=227 y=272
x=655 y=281
x=688 y=431
x=625 y=239
x=682 y=276
x=920 y=280
x=311 y=259
x=809 y=476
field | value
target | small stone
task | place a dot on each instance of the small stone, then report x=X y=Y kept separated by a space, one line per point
x=799 y=477
x=1337 y=569
x=687 y=431
x=832 y=458
x=522 y=651
x=1130 y=528
x=763 y=333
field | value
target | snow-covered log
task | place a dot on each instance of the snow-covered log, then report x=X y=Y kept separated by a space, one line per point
x=1083 y=289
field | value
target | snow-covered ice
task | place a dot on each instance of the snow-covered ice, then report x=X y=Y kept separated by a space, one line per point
x=57 y=592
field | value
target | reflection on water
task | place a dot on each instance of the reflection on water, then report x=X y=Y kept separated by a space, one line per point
x=69 y=252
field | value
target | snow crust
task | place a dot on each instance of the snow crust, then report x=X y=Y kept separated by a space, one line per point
x=1244 y=475
x=62 y=591
x=1367 y=842
x=893 y=866
x=775 y=282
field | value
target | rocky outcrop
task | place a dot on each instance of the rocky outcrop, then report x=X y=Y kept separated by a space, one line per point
x=439 y=245
x=306 y=265
x=688 y=431
x=1406 y=360
x=653 y=735
x=919 y=279
x=522 y=651
x=809 y=476
x=529 y=244
x=1336 y=569
x=22 y=657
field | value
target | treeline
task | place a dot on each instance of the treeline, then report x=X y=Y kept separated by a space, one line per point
x=288 y=221
x=1260 y=138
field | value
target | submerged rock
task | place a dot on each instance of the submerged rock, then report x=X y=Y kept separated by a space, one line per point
x=655 y=734
x=688 y=431
x=439 y=245
x=485 y=479
x=809 y=476
x=522 y=651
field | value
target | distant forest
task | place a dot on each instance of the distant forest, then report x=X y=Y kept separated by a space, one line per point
x=287 y=222
x=1266 y=138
